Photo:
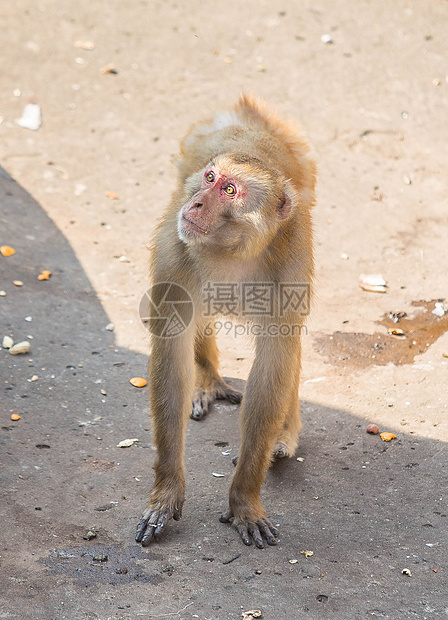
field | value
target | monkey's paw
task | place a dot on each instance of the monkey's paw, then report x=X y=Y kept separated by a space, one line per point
x=256 y=531
x=281 y=451
x=203 y=399
x=153 y=522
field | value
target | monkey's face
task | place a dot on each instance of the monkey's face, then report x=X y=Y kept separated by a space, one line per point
x=237 y=204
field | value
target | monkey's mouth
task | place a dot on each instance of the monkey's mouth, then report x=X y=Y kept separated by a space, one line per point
x=192 y=224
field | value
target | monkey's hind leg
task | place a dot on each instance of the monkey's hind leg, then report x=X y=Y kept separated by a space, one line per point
x=288 y=438
x=287 y=441
x=209 y=383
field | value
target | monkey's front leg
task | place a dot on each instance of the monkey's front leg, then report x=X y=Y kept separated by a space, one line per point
x=171 y=376
x=266 y=401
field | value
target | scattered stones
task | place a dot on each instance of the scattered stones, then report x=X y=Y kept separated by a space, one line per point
x=138 y=382
x=20 y=348
x=88 y=46
x=373 y=283
x=44 y=275
x=327 y=39
x=387 y=436
x=31 y=117
x=250 y=615
x=7 y=250
x=126 y=443
x=307 y=554
x=7 y=342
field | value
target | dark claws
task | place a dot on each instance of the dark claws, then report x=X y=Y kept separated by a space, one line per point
x=234 y=397
x=153 y=523
x=202 y=403
x=253 y=531
x=200 y=409
x=226 y=517
x=281 y=452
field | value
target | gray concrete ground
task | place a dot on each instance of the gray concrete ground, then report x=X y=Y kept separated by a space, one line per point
x=365 y=508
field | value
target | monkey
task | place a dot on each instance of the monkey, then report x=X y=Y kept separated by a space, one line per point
x=240 y=215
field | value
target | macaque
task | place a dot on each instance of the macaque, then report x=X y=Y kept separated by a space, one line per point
x=240 y=216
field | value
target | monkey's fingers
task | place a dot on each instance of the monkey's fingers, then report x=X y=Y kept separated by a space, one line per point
x=253 y=531
x=226 y=517
x=246 y=535
x=147 y=526
x=200 y=407
x=280 y=451
x=233 y=396
x=269 y=532
x=151 y=525
x=258 y=531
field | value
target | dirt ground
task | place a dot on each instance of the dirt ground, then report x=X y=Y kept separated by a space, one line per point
x=118 y=85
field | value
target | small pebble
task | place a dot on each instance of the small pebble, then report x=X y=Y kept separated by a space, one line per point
x=138 y=382
x=7 y=342
x=7 y=250
x=373 y=429
x=31 y=117
x=20 y=348
x=44 y=275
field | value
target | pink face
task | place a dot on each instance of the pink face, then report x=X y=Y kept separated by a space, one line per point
x=203 y=213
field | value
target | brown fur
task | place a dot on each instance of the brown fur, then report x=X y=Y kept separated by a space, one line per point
x=269 y=240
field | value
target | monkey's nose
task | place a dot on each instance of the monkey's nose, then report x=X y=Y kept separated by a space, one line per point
x=197 y=205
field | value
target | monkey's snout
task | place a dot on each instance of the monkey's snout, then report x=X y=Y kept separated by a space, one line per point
x=197 y=205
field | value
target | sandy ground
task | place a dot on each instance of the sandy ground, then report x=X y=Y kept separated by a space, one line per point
x=374 y=103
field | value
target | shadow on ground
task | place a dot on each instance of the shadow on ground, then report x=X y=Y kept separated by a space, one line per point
x=365 y=508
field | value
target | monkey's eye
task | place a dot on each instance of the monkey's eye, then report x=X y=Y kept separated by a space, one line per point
x=210 y=177
x=230 y=190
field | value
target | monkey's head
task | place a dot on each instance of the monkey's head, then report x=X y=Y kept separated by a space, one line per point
x=236 y=204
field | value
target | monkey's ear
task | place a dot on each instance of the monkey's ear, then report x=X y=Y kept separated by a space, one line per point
x=285 y=206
